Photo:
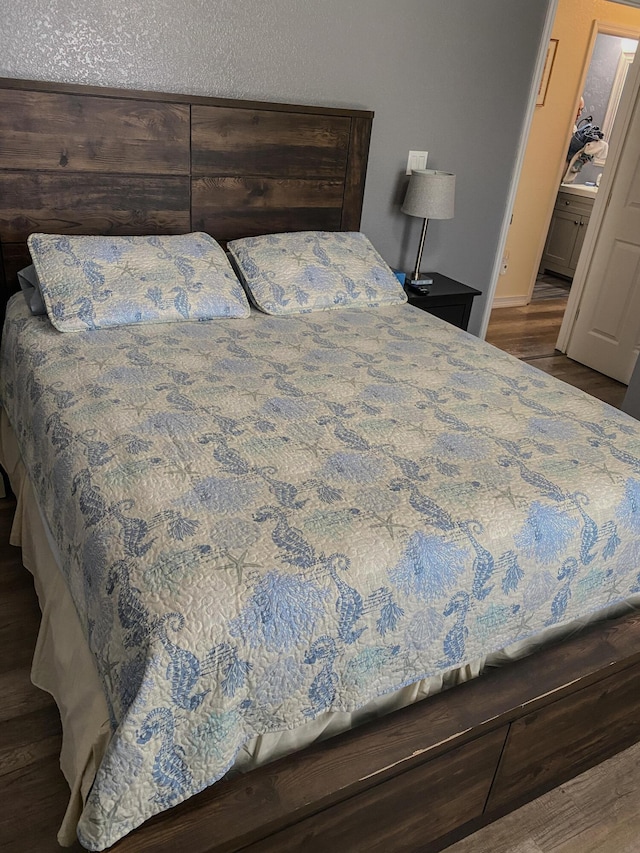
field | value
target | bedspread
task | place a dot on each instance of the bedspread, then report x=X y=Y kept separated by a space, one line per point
x=264 y=519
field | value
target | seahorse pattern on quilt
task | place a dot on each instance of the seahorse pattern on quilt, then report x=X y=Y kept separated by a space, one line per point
x=267 y=519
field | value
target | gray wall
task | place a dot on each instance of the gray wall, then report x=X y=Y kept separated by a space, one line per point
x=448 y=77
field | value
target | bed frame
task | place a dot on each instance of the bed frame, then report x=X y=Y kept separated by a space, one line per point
x=77 y=159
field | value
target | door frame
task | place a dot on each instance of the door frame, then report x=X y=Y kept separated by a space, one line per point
x=628 y=100
x=552 y=8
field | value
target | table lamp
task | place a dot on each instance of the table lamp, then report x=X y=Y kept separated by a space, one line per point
x=430 y=194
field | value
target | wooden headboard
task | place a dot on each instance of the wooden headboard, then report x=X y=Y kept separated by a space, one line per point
x=87 y=160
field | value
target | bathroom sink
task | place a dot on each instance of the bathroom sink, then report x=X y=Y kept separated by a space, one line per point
x=579 y=189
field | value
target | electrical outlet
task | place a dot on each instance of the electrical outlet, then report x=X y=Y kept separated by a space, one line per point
x=505 y=264
x=416 y=160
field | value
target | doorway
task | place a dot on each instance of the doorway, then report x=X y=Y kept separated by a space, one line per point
x=612 y=55
x=601 y=84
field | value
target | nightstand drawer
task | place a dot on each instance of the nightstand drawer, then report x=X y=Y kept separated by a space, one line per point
x=448 y=299
x=457 y=315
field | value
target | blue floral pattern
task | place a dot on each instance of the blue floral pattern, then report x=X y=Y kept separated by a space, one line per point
x=314 y=271
x=95 y=282
x=285 y=516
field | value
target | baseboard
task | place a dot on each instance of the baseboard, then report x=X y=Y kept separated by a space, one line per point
x=510 y=301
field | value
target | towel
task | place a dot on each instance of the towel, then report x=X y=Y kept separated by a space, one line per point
x=597 y=148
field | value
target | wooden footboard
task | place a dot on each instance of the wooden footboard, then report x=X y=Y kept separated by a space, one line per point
x=430 y=774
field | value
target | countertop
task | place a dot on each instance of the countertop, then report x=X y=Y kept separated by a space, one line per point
x=579 y=189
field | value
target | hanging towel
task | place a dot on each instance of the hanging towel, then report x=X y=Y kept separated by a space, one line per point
x=597 y=148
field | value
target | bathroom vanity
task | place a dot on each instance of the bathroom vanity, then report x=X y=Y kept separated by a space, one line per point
x=567 y=229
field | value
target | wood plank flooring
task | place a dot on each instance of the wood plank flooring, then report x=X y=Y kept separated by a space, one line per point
x=599 y=812
x=530 y=333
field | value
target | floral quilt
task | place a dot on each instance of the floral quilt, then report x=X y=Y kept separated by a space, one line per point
x=265 y=519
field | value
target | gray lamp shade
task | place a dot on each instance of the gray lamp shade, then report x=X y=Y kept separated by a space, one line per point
x=430 y=194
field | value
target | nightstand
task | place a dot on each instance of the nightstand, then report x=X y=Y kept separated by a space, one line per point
x=448 y=299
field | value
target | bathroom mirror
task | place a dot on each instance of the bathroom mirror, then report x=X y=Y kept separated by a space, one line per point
x=603 y=87
x=625 y=60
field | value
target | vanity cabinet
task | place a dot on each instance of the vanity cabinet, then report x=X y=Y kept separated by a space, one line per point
x=566 y=233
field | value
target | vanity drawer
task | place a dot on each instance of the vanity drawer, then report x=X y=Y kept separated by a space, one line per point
x=574 y=204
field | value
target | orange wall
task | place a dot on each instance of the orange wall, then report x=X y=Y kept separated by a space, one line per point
x=549 y=137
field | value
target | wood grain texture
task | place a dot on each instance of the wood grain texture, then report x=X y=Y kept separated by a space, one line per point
x=580 y=376
x=594 y=812
x=228 y=208
x=173 y=97
x=238 y=142
x=555 y=743
x=356 y=171
x=528 y=331
x=29 y=738
x=90 y=203
x=405 y=814
x=39 y=795
x=80 y=133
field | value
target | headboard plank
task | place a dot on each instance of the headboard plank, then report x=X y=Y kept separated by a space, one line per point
x=15 y=256
x=356 y=173
x=229 y=207
x=84 y=160
x=79 y=133
x=255 y=142
x=174 y=98
x=90 y=203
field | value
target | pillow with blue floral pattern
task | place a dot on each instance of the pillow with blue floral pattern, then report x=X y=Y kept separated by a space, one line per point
x=93 y=282
x=306 y=271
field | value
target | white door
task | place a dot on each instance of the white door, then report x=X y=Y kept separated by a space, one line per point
x=606 y=333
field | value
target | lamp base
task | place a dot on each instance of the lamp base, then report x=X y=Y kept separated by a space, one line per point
x=423 y=281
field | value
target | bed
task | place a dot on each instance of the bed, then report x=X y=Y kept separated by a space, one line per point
x=355 y=485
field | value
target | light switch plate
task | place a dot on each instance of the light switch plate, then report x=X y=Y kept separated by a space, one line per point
x=416 y=160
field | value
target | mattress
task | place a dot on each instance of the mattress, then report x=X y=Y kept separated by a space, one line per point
x=263 y=521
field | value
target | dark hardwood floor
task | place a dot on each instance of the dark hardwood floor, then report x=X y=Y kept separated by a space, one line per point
x=33 y=792
x=530 y=333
